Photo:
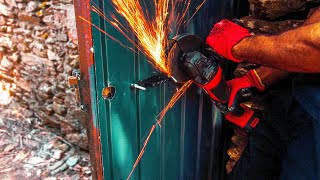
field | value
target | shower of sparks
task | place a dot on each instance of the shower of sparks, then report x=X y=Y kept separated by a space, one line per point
x=152 y=34
x=161 y=115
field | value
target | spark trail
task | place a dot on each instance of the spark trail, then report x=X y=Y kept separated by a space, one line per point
x=160 y=117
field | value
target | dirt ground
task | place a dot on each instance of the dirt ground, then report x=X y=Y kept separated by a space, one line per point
x=29 y=150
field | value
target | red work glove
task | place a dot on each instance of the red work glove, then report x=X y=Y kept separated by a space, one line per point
x=243 y=88
x=224 y=35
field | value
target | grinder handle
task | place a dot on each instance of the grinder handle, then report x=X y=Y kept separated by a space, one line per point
x=238 y=111
x=219 y=92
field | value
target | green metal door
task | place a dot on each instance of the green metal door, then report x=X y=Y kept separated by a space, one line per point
x=188 y=145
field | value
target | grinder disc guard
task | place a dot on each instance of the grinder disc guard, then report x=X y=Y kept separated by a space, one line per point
x=181 y=44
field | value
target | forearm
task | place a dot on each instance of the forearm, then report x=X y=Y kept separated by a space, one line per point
x=297 y=50
x=270 y=76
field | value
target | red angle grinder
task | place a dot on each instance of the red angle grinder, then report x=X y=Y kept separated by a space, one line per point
x=190 y=58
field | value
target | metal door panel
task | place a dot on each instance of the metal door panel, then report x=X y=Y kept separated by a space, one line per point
x=185 y=145
x=117 y=117
x=148 y=107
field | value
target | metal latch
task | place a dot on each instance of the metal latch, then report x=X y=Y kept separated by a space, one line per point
x=74 y=83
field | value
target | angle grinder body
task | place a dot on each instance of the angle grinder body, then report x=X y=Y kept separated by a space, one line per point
x=190 y=58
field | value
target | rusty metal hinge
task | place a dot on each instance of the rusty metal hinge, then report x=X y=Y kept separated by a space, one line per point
x=74 y=83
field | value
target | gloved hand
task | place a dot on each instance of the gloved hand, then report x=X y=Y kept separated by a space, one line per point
x=243 y=88
x=224 y=35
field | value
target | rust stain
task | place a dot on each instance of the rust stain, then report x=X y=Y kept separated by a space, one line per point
x=82 y=8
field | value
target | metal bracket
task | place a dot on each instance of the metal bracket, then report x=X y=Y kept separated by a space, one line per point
x=74 y=83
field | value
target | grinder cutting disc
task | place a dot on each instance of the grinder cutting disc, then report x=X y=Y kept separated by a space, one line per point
x=182 y=44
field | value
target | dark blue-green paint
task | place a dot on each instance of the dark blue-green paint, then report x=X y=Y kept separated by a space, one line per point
x=184 y=146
